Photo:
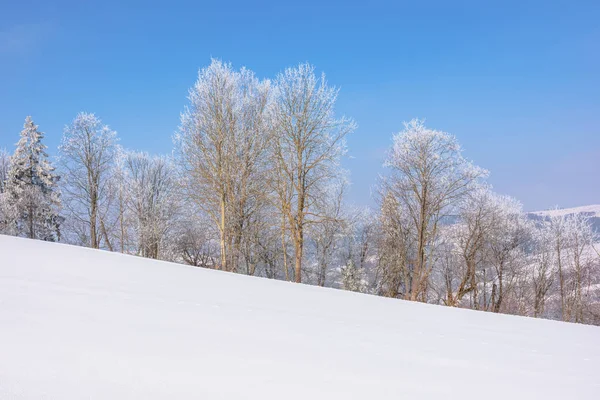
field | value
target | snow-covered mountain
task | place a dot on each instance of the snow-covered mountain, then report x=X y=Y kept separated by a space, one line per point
x=591 y=211
x=79 y=323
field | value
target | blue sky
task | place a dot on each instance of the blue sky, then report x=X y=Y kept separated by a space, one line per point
x=517 y=82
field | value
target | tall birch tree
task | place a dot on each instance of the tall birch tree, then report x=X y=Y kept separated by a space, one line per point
x=307 y=148
x=87 y=154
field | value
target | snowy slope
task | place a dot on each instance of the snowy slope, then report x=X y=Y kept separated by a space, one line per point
x=78 y=323
x=590 y=210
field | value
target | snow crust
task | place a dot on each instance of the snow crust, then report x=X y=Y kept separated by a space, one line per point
x=77 y=323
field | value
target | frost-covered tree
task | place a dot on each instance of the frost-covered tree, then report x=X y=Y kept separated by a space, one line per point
x=306 y=149
x=152 y=199
x=558 y=226
x=574 y=266
x=479 y=252
x=87 y=155
x=325 y=237
x=428 y=176
x=221 y=146
x=6 y=209
x=478 y=212
x=268 y=245
x=353 y=277
x=4 y=167
x=542 y=261
x=507 y=245
x=487 y=241
x=580 y=259
x=123 y=235
x=31 y=188
x=396 y=247
x=359 y=240
x=195 y=239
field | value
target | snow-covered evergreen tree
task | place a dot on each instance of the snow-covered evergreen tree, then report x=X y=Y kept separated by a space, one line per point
x=353 y=278
x=31 y=188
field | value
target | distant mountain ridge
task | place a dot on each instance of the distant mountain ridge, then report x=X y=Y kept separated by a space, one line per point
x=592 y=211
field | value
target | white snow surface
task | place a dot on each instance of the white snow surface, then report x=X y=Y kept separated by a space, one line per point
x=77 y=323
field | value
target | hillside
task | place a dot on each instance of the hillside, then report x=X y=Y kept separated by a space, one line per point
x=78 y=323
x=590 y=211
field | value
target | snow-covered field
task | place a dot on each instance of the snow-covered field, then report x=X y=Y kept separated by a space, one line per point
x=77 y=323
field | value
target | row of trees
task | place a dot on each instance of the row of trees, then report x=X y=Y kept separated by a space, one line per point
x=445 y=237
x=255 y=186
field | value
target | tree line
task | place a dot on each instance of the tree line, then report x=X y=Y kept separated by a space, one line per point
x=254 y=185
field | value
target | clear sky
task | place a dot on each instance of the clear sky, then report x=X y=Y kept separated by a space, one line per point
x=517 y=82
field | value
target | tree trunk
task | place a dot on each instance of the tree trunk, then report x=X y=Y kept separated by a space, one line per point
x=93 y=218
x=500 y=289
x=223 y=238
x=298 y=269
x=299 y=240
x=121 y=222
x=105 y=233
x=420 y=264
x=30 y=221
x=283 y=249
x=561 y=280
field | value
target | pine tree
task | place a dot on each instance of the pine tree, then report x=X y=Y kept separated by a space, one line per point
x=352 y=277
x=31 y=188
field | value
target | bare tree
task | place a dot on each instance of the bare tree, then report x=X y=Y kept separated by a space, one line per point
x=4 y=166
x=429 y=175
x=558 y=227
x=87 y=154
x=573 y=240
x=325 y=238
x=358 y=250
x=194 y=242
x=542 y=261
x=281 y=197
x=580 y=239
x=122 y=219
x=396 y=247
x=359 y=238
x=152 y=198
x=7 y=210
x=221 y=143
x=265 y=243
x=507 y=244
x=478 y=214
x=307 y=148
